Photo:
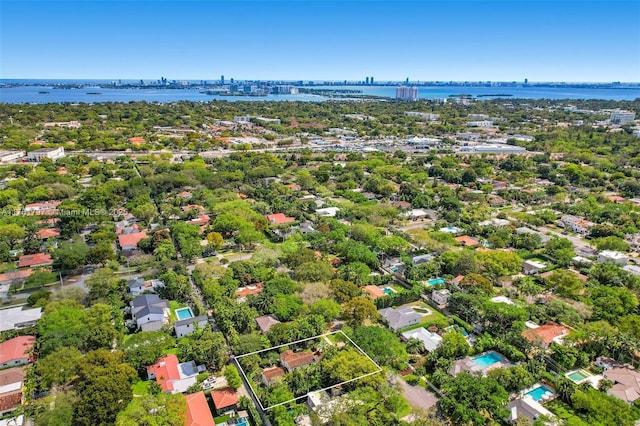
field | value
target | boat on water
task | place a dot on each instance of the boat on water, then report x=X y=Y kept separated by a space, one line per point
x=94 y=93
x=44 y=92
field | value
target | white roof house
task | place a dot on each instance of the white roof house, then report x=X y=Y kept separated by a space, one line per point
x=532 y=267
x=15 y=318
x=611 y=256
x=632 y=269
x=502 y=299
x=328 y=211
x=494 y=222
x=430 y=340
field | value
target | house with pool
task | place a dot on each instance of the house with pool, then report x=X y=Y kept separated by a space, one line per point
x=150 y=312
x=482 y=363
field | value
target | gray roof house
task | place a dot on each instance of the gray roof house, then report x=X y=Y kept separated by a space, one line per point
x=138 y=285
x=187 y=326
x=265 y=322
x=401 y=317
x=150 y=312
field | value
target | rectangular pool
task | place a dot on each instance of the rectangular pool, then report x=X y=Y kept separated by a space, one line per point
x=436 y=281
x=488 y=359
x=184 y=313
x=539 y=393
x=578 y=375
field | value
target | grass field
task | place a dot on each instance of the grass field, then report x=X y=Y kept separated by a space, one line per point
x=434 y=318
x=140 y=388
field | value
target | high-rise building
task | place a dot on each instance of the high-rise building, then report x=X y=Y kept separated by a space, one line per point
x=406 y=93
x=222 y=79
x=367 y=81
x=371 y=80
x=526 y=81
x=406 y=81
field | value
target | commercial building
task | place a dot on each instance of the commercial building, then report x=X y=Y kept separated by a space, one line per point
x=622 y=117
x=9 y=156
x=492 y=148
x=426 y=115
x=405 y=93
x=50 y=153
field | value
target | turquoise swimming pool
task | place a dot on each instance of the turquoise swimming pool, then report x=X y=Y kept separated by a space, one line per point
x=539 y=393
x=488 y=359
x=184 y=313
x=436 y=281
x=388 y=290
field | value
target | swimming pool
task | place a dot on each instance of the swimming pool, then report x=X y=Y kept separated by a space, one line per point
x=184 y=313
x=388 y=290
x=458 y=329
x=578 y=375
x=436 y=281
x=540 y=392
x=488 y=359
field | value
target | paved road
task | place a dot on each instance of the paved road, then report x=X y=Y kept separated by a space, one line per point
x=582 y=247
x=418 y=396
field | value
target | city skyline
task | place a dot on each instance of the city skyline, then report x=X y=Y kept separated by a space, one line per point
x=545 y=41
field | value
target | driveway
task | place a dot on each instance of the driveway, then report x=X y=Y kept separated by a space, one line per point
x=418 y=396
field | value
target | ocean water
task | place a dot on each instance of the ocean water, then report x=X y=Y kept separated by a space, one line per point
x=31 y=94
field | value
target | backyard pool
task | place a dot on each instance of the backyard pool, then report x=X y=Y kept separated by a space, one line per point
x=578 y=375
x=436 y=281
x=488 y=359
x=539 y=393
x=184 y=313
x=458 y=329
x=388 y=290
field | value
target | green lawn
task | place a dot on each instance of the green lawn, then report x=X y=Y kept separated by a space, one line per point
x=435 y=317
x=173 y=351
x=140 y=388
x=404 y=409
x=173 y=305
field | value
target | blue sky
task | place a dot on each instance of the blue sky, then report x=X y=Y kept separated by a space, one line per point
x=322 y=40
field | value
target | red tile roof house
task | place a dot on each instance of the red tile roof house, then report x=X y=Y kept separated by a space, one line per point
x=202 y=219
x=279 y=219
x=129 y=242
x=467 y=241
x=31 y=260
x=173 y=376
x=373 y=291
x=617 y=199
x=198 y=412
x=292 y=360
x=253 y=289
x=11 y=381
x=16 y=351
x=545 y=335
x=225 y=400
x=15 y=276
x=271 y=374
x=45 y=233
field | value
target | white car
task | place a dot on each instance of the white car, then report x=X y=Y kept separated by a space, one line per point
x=208 y=384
